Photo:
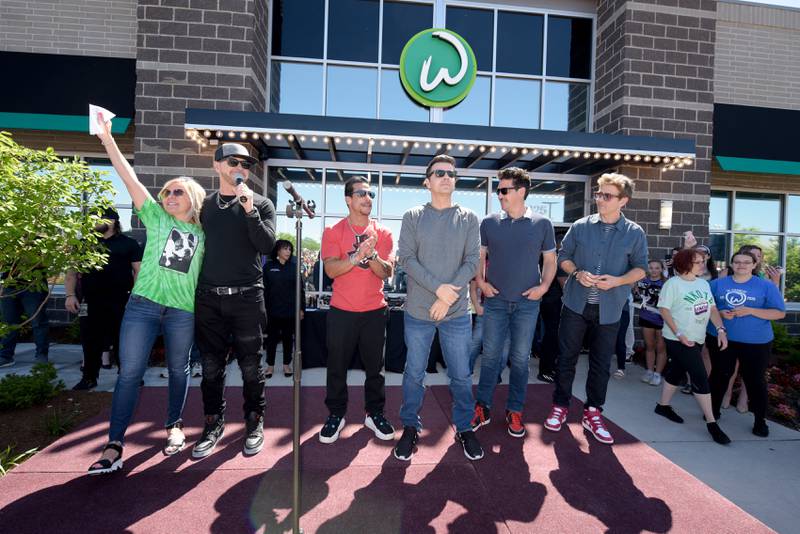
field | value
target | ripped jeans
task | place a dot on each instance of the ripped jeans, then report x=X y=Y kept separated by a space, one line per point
x=223 y=322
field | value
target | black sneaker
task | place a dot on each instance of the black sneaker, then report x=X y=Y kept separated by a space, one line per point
x=761 y=429
x=85 y=385
x=212 y=432
x=404 y=449
x=330 y=430
x=717 y=434
x=254 y=430
x=546 y=377
x=472 y=449
x=377 y=423
x=668 y=412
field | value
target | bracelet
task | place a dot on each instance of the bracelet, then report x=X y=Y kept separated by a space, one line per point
x=721 y=329
x=68 y=296
x=678 y=334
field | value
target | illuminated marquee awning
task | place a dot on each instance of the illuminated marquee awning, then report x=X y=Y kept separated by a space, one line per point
x=352 y=140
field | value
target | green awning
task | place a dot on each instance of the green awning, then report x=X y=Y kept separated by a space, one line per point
x=760 y=166
x=62 y=123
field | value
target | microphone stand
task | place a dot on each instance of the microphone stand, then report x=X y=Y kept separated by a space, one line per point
x=295 y=209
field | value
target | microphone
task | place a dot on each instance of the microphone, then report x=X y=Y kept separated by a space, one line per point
x=298 y=199
x=239 y=179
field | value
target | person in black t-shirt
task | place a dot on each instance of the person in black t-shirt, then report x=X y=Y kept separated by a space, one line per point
x=240 y=228
x=279 y=289
x=103 y=296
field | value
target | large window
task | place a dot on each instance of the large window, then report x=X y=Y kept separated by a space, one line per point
x=341 y=58
x=769 y=220
x=395 y=192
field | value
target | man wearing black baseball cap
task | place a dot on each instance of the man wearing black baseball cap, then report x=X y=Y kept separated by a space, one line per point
x=240 y=228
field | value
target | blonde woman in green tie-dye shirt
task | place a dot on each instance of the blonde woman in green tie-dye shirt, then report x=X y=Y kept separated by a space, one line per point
x=162 y=300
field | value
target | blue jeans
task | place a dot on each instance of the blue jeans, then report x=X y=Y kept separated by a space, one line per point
x=454 y=338
x=476 y=343
x=143 y=321
x=505 y=320
x=12 y=308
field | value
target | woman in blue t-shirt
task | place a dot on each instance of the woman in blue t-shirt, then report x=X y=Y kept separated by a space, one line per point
x=747 y=304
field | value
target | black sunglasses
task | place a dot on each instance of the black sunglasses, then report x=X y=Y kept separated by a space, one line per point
x=439 y=173
x=234 y=162
x=173 y=192
x=605 y=196
x=506 y=190
x=361 y=193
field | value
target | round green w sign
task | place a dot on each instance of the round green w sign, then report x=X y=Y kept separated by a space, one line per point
x=437 y=68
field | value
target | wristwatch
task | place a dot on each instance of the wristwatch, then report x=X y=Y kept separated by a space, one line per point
x=721 y=329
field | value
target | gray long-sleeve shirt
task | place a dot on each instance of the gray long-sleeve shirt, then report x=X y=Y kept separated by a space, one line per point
x=438 y=247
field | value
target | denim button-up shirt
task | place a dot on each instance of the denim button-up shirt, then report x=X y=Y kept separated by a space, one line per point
x=618 y=251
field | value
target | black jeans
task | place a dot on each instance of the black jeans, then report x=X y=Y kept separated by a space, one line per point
x=218 y=320
x=347 y=331
x=99 y=331
x=279 y=330
x=681 y=360
x=753 y=360
x=550 y=312
x=601 y=346
x=621 y=348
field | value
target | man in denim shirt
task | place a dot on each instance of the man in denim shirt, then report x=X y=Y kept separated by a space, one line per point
x=604 y=254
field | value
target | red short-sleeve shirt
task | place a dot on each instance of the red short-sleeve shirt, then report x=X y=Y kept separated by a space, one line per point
x=359 y=289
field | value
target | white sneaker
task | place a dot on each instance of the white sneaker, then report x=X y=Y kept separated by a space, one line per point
x=656 y=380
x=647 y=376
x=197 y=370
x=164 y=373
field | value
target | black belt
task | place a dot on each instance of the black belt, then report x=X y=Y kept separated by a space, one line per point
x=222 y=290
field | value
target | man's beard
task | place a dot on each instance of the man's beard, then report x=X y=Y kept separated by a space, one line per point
x=102 y=228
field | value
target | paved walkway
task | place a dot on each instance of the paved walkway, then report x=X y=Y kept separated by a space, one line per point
x=762 y=476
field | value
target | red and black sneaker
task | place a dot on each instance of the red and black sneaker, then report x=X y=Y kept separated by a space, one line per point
x=558 y=414
x=481 y=417
x=593 y=422
x=514 y=422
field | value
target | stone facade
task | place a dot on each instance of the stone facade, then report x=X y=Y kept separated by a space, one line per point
x=655 y=77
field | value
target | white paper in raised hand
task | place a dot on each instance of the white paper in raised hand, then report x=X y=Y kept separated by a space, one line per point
x=93 y=111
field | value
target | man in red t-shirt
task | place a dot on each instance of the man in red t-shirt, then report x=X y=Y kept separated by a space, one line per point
x=357 y=255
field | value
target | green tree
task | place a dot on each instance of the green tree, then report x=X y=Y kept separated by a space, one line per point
x=793 y=270
x=308 y=243
x=49 y=207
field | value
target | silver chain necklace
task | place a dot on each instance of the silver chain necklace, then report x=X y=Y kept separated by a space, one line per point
x=225 y=205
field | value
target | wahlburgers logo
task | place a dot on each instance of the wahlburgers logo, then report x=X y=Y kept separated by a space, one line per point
x=437 y=68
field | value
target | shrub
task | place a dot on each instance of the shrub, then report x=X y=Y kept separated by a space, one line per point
x=23 y=391
x=10 y=460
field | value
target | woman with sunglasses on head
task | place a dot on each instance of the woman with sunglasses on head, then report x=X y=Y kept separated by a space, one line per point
x=747 y=304
x=162 y=300
x=686 y=305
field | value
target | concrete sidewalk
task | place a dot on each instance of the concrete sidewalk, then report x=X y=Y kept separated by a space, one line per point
x=762 y=476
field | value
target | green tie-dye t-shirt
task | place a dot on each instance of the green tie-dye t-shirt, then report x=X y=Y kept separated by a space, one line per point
x=172 y=258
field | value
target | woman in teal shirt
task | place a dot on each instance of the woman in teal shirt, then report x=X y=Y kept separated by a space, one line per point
x=162 y=301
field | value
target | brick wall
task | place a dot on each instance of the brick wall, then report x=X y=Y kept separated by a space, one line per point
x=655 y=77
x=105 y=28
x=193 y=53
x=758 y=56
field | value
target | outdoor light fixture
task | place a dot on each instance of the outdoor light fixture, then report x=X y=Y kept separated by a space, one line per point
x=665 y=215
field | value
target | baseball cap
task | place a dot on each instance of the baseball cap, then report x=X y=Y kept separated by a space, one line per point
x=233 y=149
x=110 y=213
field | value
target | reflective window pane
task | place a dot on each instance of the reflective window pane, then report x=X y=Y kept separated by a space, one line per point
x=401 y=192
x=476 y=26
x=792 y=293
x=296 y=88
x=718 y=211
x=793 y=212
x=569 y=47
x=558 y=201
x=121 y=196
x=298 y=28
x=307 y=182
x=471 y=193
x=519 y=42
x=474 y=109
x=125 y=216
x=352 y=92
x=334 y=190
x=759 y=212
x=394 y=226
x=771 y=245
x=353 y=30
x=516 y=103
x=720 y=249
x=401 y=21
x=566 y=106
x=395 y=102
x=312 y=240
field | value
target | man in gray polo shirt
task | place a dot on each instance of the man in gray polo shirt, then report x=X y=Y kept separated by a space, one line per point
x=439 y=251
x=513 y=240
x=604 y=255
